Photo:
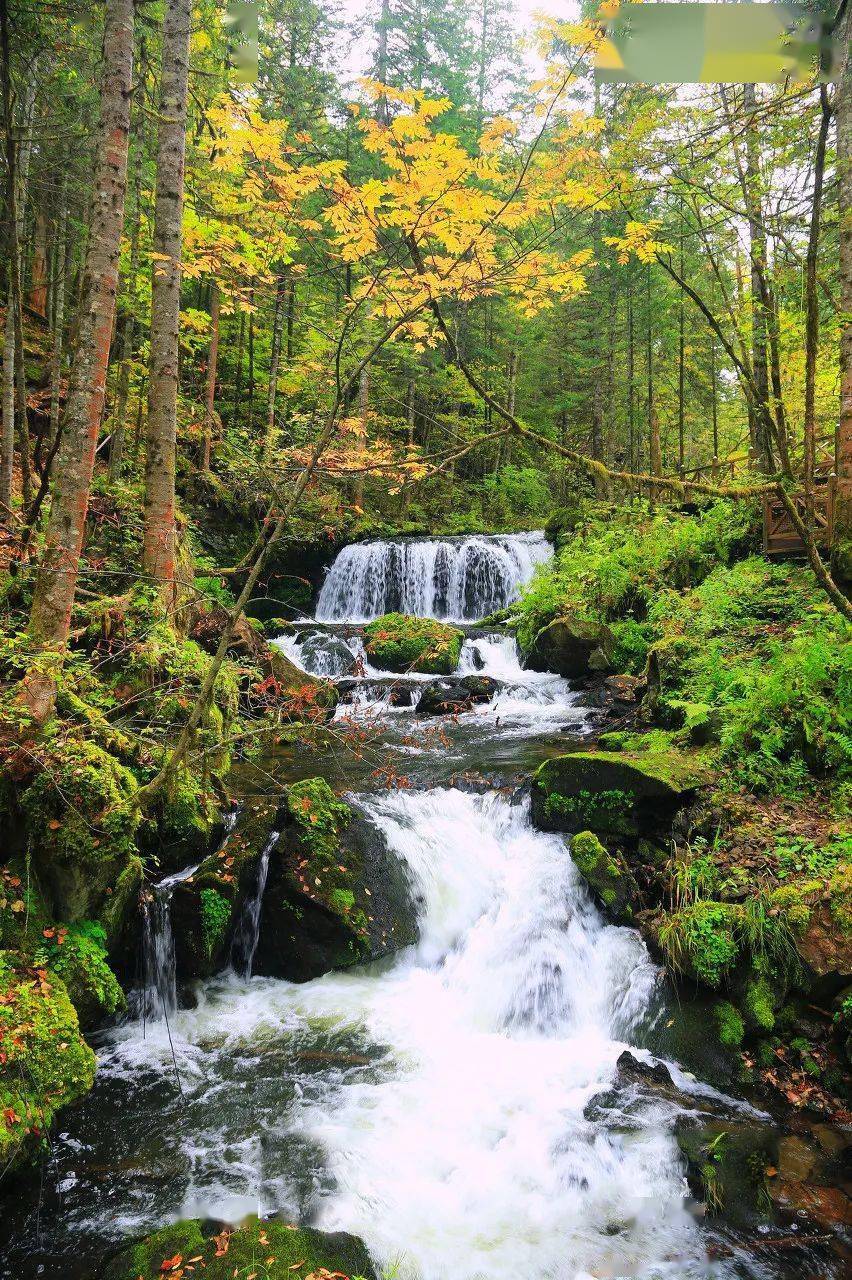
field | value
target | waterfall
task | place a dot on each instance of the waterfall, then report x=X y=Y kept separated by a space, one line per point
x=469 y=1152
x=159 y=991
x=246 y=936
x=460 y=579
x=158 y=996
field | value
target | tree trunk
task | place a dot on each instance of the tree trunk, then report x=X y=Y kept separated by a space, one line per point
x=212 y=369
x=812 y=305
x=7 y=448
x=38 y=276
x=53 y=599
x=119 y=425
x=843 y=442
x=158 y=552
x=275 y=357
x=655 y=454
x=757 y=254
x=680 y=373
x=363 y=413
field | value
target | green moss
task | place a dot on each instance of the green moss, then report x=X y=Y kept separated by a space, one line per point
x=215 y=919
x=758 y=1005
x=396 y=642
x=269 y=1250
x=793 y=902
x=730 y=1027
x=44 y=1061
x=78 y=956
x=702 y=940
x=606 y=811
x=605 y=790
x=320 y=820
x=79 y=807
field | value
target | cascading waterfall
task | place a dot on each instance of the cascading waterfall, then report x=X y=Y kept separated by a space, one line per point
x=244 y=944
x=463 y=579
x=471 y=1155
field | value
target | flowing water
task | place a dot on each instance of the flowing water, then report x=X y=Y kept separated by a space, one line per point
x=462 y=579
x=439 y=1103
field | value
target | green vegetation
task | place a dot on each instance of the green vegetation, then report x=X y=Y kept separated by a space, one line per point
x=271 y=1250
x=215 y=918
x=399 y=643
x=44 y=1061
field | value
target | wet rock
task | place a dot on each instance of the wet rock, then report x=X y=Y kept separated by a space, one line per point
x=571 y=648
x=335 y=895
x=295 y=683
x=205 y=907
x=275 y=1250
x=480 y=688
x=445 y=698
x=825 y=947
x=625 y=691
x=327 y=656
x=614 y=793
x=207 y=625
x=728 y=1165
x=607 y=875
x=810 y=1182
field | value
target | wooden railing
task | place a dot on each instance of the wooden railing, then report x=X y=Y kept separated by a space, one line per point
x=780 y=537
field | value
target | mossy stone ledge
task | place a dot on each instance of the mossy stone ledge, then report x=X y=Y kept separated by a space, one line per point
x=273 y=1250
x=614 y=793
x=396 y=642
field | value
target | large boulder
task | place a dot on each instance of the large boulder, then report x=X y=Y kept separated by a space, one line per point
x=335 y=895
x=572 y=648
x=273 y=1250
x=398 y=643
x=624 y=794
x=450 y=697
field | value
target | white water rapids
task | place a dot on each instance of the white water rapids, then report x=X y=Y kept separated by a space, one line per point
x=465 y=1153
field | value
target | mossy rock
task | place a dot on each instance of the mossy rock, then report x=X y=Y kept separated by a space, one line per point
x=613 y=793
x=730 y=1027
x=702 y=941
x=82 y=824
x=44 y=1061
x=78 y=956
x=272 y=1250
x=396 y=642
x=606 y=875
x=726 y=1166
x=335 y=895
x=295 y=684
x=572 y=647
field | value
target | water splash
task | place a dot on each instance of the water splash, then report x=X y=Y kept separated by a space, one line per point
x=462 y=580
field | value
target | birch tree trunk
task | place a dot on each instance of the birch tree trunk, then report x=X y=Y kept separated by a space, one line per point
x=50 y=617
x=158 y=544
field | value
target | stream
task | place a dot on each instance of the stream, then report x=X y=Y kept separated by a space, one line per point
x=438 y=1102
